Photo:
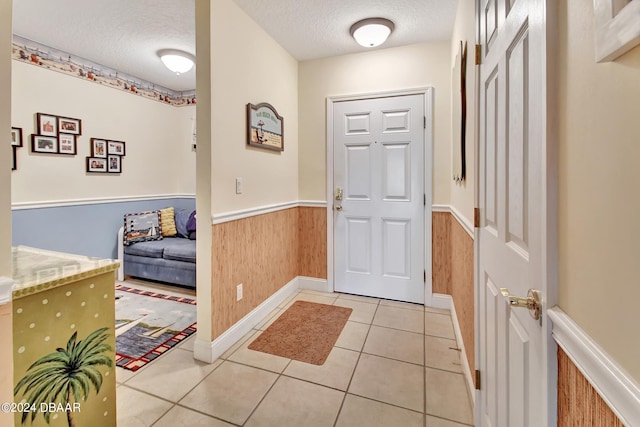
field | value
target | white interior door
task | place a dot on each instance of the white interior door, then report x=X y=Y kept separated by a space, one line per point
x=512 y=198
x=378 y=147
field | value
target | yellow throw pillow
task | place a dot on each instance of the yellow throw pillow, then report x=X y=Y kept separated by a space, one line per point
x=168 y=222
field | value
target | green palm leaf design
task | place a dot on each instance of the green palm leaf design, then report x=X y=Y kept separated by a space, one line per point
x=67 y=375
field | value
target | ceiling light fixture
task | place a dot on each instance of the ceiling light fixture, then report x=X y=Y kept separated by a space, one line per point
x=371 y=32
x=177 y=60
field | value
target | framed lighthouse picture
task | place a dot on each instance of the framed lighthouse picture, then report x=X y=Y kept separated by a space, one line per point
x=265 y=127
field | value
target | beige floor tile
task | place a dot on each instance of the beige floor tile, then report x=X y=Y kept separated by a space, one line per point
x=360 y=298
x=358 y=411
x=319 y=293
x=438 y=325
x=137 y=409
x=395 y=344
x=188 y=343
x=287 y=300
x=442 y=353
x=293 y=402
x=335 y=372
x=183 y=417
x=177 y=368
x=320 y=299
x=258 y=359
x=447 y=396
x=271 y=317
x=231 y=392
x=438 y=310
x=390 y=381
x=408 y=305
x=238 y=344
x=353 y=335
x=363 y=312
x=124 y=375
x=440 y=422
x=400 y=318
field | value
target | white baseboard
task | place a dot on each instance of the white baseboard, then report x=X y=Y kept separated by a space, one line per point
x=446 y=302
x=616 y=387
x=210 y=351
x=311 y=283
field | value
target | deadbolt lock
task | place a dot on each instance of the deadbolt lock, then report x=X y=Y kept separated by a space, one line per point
x=338 y=193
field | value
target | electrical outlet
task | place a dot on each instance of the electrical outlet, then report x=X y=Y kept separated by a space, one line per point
x=239 y=292
x=238 y=185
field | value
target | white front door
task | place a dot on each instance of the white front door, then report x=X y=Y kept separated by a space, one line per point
x=513 y=205
x=378 y=164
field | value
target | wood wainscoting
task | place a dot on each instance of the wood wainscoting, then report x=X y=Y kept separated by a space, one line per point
x=453 y=273
x=264 y=253
x=579 y=404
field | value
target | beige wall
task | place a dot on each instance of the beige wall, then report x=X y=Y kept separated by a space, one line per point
x=158 y=160
x=6 y=368
x=407 y=67
x=599 y=199
x=462 y=194
x=250 y=67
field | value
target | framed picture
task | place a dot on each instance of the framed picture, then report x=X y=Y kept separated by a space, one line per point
x=98 y=148
x=44 y=144
x=96 y=164
x=47 y=124
x=69 y=125
x=114 y=163
x=617 y=28
x=265 y=127
x=16 y=137
x=14 y=165
x=115 y=148
x=67 y=144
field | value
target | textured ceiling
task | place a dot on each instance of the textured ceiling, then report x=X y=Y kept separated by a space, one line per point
x=126 y=34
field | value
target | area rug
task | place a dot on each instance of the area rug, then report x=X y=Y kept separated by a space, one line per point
x=148 y=324
x=306 y=332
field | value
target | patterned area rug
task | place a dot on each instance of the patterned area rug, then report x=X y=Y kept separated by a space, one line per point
x=148 y=324
x=306 y=332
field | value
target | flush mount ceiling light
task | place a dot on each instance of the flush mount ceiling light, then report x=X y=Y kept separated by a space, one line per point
x=177 y=60
x=371 y=32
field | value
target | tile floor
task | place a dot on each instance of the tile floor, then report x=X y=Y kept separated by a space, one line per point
x=394 y=364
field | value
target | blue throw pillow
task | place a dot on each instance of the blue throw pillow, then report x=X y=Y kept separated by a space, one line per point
x=182 y=217
x=191 y=224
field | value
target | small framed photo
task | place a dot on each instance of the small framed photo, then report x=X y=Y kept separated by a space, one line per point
x=16 y=137
x=67 y=144
x=114 y=164
x=116 y=148
x=69 y=125
x=14 y=165
x=44 y=144
x=96 y=164
x=98 y=148
x=47 y=124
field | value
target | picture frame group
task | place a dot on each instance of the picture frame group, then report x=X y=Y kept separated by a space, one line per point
x=56 y=134
x=106 y=156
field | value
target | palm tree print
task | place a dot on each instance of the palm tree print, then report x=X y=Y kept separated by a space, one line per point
x=67 y=375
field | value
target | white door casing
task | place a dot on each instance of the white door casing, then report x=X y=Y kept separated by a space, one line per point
x=378 y=152
x=513 y=355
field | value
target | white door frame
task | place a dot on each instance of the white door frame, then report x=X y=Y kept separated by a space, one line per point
x=549 y=223
x=428 y=177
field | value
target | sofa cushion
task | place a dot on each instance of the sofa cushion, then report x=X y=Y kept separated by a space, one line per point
x=151 y=249
x=141 y=227
x=168 y=222
x=181 y=217
x=179 y=249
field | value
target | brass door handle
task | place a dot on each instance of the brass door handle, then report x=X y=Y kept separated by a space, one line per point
x=531 y=302
x=338 y=207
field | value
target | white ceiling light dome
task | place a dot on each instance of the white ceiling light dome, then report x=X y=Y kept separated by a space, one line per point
x=372 y=32
x=176 y=60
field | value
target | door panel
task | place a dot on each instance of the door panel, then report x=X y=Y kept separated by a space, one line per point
x=379 y=231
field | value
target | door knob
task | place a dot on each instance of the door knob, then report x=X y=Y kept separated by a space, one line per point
x=532 y=301
x=338 y=207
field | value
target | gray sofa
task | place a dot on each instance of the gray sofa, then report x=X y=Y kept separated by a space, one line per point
x=170 y=260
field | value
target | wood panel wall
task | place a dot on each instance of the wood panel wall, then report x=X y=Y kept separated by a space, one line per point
x=441 y=253
x=261 y=252
x=453 y=273
x=312 y=235
x=579 y=404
